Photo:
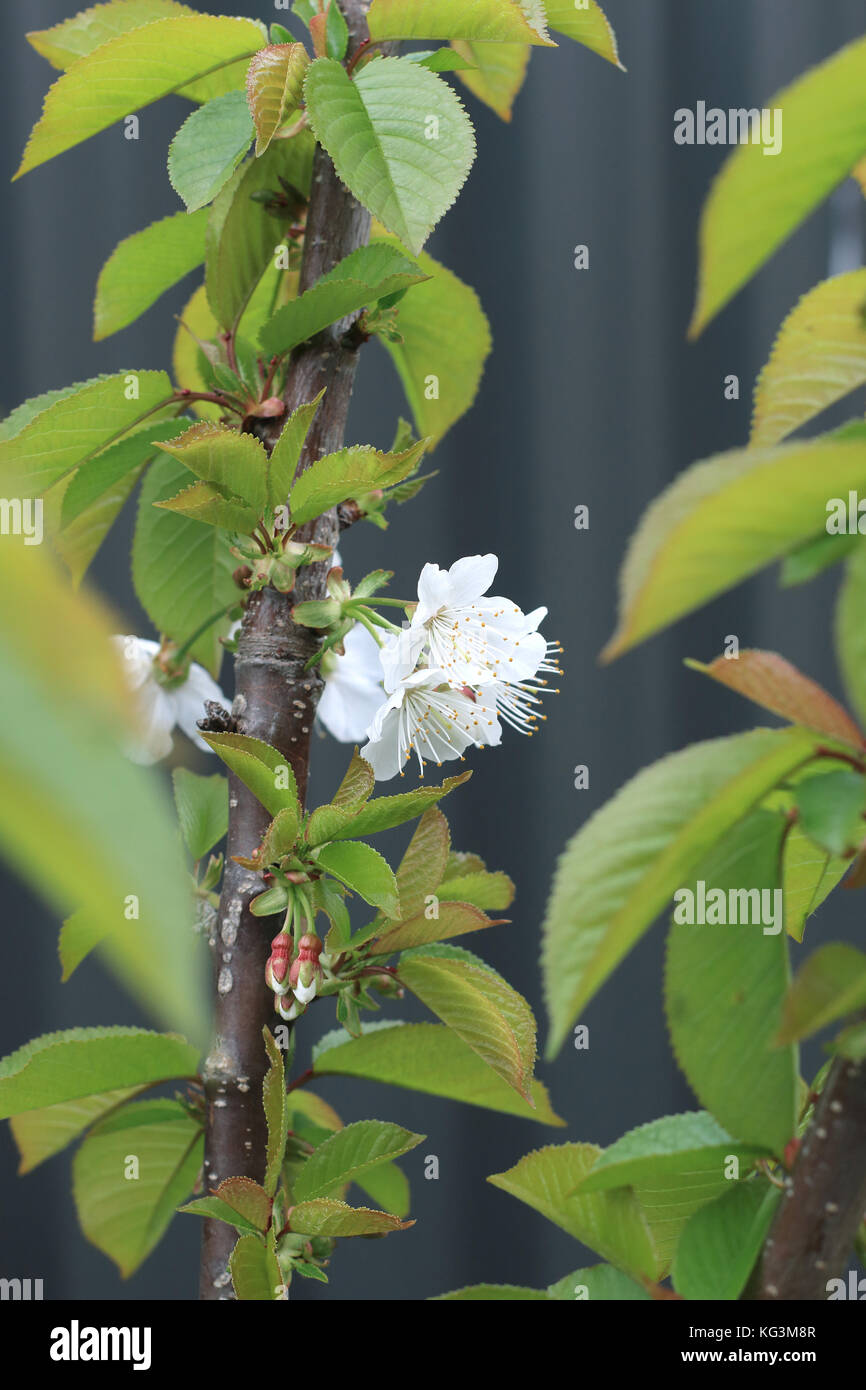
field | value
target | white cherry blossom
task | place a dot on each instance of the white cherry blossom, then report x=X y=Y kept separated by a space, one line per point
x=425 y=716
x=353 y=687
x=161 y=707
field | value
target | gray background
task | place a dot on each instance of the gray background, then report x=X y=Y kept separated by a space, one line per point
x=592 y=396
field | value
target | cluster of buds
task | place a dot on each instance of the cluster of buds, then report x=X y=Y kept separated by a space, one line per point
x=298 y=977
x=277 y=566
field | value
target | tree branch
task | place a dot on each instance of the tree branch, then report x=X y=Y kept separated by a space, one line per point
x=276 y=701
x=825 y=1198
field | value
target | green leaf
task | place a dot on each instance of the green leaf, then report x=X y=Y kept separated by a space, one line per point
x=724 y=986
x=143 y=266
x=814 y=557
x=494 y=1293
x=29 y=409
x=39 y=1134
x=757 y=201
x=182 y=569
x=674 y=1167
x=431 y=1058
x=597 y=1284
x=495 y=72
x=626 y=862
x=692 y=542
x=440 y=368
x=351 y=472
x=388 y=1187
x=82 y=1062
x=235 y=463
x=386 y=812
x=255 y=1271
x=96 y=493
x=133 y=70
x=260 y=767
x=217 y=1210
x=325 y=1216
x=280 y=836
x=818 y=357
x=830 y=985
x=275 y=85
x=722 y=1242
x=242 y=236
x=363 y=870
x=423 y=864
x=208 y=148
x=359 y=281
x=809 y=876
x=483 y=1010
x=74 y=38
x=276 y=1104
x=832 y=810
x=202 y=809
x=125 y=1211
x=587 y=24
x=76 y=427
x=497 y=21
x=205 y=503
x=356 y=785
x=65 y=783
x=287 y=452
x=375 y=130
x=350 y=1153
x=611 y=1223
x=248 y=1199
x=850 y=631
x=454 y=919
x=490 y=892
x=336 y=33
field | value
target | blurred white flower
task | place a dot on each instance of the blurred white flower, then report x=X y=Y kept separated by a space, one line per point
x=163 y=706
x=353 y=687
x=427 y=717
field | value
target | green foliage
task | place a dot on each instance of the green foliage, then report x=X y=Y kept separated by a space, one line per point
x=485 y=20
x=125 y=1218
x=74 y=38
x=819 y=356
x=182 y=569
x=832 y=809
x=431 y=1058
x=443 y=335
x=587 y=24
x=831 y=984
x=255 y=1271
x=202 y=809
x=66 y=784
x=81 y=1062
x=362 y=869
x=39 y=1134
x=275 y=86
x=692 y=545
x=260 y=767
x=598 y=1284
x=349 y=1154
x=76 y=427
x=628 y=860
x=483 y=1010
x=242 y=235
x=324 y=1216
x=349 y=473
x=134 y=70
x=208 y=148
x=143 y=267
x=724 y=983
x=611 y=1223
x=756 y=202
x=494 y=72
x=850 y=631
x=374 y=128
x=721 y=1243
x=360 y=280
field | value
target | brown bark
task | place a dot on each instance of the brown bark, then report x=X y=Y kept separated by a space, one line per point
x=825 y=1197
x=275 y=701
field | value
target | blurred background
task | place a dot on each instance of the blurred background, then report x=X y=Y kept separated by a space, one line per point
x=592 y=397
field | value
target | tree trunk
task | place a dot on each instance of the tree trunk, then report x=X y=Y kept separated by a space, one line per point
x=275 y=701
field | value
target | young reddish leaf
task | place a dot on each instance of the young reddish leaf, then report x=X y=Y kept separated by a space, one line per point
x=326 y=1217
x=275 y=85
x=779 y=687
x=247 y=1198
x=454 y=919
